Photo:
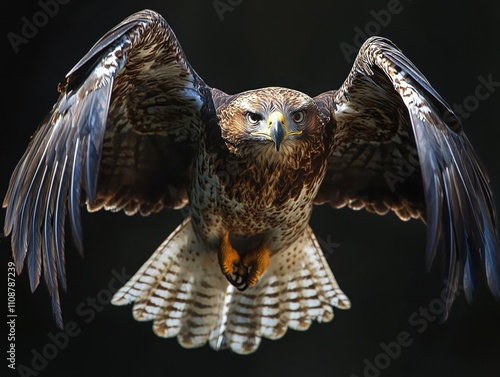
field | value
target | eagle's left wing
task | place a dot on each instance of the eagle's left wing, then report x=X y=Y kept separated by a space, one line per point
x=398 y=146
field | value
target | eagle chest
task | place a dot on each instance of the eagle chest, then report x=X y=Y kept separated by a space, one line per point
x=269 y=184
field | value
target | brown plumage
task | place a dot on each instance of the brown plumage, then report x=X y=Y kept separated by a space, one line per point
x=136 y=129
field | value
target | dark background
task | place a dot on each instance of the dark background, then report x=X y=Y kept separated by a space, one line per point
x=378 y=261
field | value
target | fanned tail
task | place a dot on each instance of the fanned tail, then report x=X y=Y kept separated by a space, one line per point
x=182 y=290
x=297 y=289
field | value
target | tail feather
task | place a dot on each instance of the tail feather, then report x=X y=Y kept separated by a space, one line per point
x=203 y=310
x=297 y=289
x=181 y=289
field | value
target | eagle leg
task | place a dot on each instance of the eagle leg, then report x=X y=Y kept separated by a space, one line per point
x=242 y=271
x=253 y=264
x=229 y=259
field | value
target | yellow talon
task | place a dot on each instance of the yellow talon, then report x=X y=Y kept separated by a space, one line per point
x=256 y=261
x=244 y=271
x=228 y=257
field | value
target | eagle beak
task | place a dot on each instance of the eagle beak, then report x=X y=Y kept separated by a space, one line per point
x=277 y=128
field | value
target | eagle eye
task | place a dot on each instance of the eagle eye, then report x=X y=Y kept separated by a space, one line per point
x=299 y=116
x=253 y=118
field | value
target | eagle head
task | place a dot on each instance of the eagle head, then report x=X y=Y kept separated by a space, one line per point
x=276 y=121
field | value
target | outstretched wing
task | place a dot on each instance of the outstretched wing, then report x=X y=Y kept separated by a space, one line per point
x=398 y=146
x=122 y=136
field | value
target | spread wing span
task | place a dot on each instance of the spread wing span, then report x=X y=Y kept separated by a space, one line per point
x=399 y=147
x=122 y=136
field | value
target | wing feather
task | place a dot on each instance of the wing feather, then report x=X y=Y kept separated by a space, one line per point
x=122 y=135
x=388 y=117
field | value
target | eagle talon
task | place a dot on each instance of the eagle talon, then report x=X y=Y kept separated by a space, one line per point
x=242 y=288
x=245 y=271
x=238 y=281
x=239 y=278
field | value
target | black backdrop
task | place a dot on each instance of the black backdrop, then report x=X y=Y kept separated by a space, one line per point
x=378 y=261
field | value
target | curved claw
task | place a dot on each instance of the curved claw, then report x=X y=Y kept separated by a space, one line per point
x=238 y=280
x=243 y=287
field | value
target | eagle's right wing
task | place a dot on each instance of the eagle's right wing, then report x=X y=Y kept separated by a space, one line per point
x=122 y=136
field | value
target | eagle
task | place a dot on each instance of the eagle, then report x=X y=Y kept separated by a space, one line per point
x=136 y=129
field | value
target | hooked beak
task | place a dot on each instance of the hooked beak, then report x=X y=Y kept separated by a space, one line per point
x=277 y=128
